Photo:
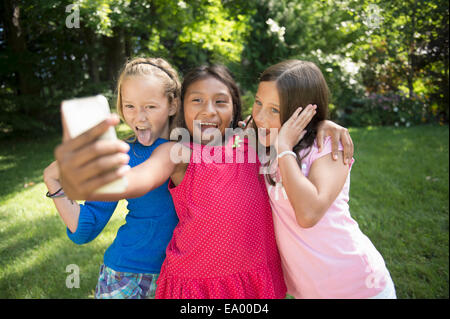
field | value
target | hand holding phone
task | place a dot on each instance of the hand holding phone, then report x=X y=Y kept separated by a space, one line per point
x=79 y=116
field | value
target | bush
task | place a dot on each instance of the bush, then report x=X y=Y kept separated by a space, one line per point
x=26 y=116
x=385 y=109
x=39 y=115
x=248 y=99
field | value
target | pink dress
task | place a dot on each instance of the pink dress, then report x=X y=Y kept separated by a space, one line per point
x=332 y=259
x=224 y=244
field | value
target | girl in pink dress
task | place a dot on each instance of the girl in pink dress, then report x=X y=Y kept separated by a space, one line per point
x=324 y=253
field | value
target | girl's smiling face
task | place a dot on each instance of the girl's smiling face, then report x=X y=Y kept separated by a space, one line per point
x=208 y=101
x=266 y=112
x=145 y=108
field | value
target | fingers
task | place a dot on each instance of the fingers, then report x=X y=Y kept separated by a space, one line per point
x=102 y=165
x=306 y=116
x=99 y=148
x=90 y=186
x=86 y=160
x=343 y=136
x=88 y=163
x=299 y=121
x=320 y=138
x=295 y=115
x=347 y=143
x=335 y=145
x=303 y=133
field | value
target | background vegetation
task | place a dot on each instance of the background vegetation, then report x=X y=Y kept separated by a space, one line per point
x=392 y=52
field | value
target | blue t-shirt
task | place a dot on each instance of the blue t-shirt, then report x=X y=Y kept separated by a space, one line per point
x=140 y=244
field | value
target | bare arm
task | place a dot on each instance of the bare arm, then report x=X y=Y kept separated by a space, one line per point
x=67 y=209
x=312 y=196
x=145 y=177
x=86 y=163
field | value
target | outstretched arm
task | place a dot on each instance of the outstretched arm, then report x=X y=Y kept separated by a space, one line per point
x=86 y=163
x=145 y=177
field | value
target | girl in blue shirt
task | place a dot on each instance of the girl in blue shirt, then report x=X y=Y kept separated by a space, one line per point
x=148 y=96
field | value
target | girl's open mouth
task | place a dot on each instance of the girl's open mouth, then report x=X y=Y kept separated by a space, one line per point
x=208 y=126
x=144 y=135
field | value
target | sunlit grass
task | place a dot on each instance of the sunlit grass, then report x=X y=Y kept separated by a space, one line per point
x=398 y=195
x=34 y=248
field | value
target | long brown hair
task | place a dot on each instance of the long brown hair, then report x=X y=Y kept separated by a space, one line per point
x=157 y=67
x=299 y=84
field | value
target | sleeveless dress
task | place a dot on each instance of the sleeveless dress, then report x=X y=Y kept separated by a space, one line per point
x=332 y=259
x=224 y=244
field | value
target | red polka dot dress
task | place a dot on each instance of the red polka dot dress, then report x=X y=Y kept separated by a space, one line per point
x=224 y=244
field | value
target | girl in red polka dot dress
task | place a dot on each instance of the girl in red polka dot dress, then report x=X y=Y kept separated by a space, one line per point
x=224 y=244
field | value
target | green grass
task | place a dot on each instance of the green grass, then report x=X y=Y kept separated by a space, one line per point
x=398 y=195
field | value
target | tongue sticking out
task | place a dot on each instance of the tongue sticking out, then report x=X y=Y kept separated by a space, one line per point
x=144 y=136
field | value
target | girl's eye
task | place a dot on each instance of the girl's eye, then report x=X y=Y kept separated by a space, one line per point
x=274 y=110
x=197 y=100
x=221 y=102
x=150 y=106
x=258 y=103
x=129 y=106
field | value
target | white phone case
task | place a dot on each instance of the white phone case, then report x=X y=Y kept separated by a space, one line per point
x=84 y=113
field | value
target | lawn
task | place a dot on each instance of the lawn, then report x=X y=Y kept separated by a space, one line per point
x=399 y=197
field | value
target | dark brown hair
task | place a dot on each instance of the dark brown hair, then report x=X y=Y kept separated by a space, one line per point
x=299 y=84
x=220 y=73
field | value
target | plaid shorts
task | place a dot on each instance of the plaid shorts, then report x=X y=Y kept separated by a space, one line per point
x=125 y=285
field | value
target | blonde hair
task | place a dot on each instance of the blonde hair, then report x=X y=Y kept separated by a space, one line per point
x=157 y=67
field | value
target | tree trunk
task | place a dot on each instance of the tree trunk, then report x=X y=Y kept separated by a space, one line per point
x=411 y=53
x=15 y=37
x=115 y=53
x=92 y=56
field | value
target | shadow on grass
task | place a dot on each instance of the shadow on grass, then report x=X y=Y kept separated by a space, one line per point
x=34 y=259
x=23 y=161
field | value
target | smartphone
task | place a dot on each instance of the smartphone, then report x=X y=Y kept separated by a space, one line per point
x=80 y=115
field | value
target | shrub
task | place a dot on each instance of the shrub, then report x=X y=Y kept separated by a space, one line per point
x=385 y=109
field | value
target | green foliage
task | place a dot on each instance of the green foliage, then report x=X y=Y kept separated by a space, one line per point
x=407 y=51
x=216 y=32
x=363 y=47
x=389 y=109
